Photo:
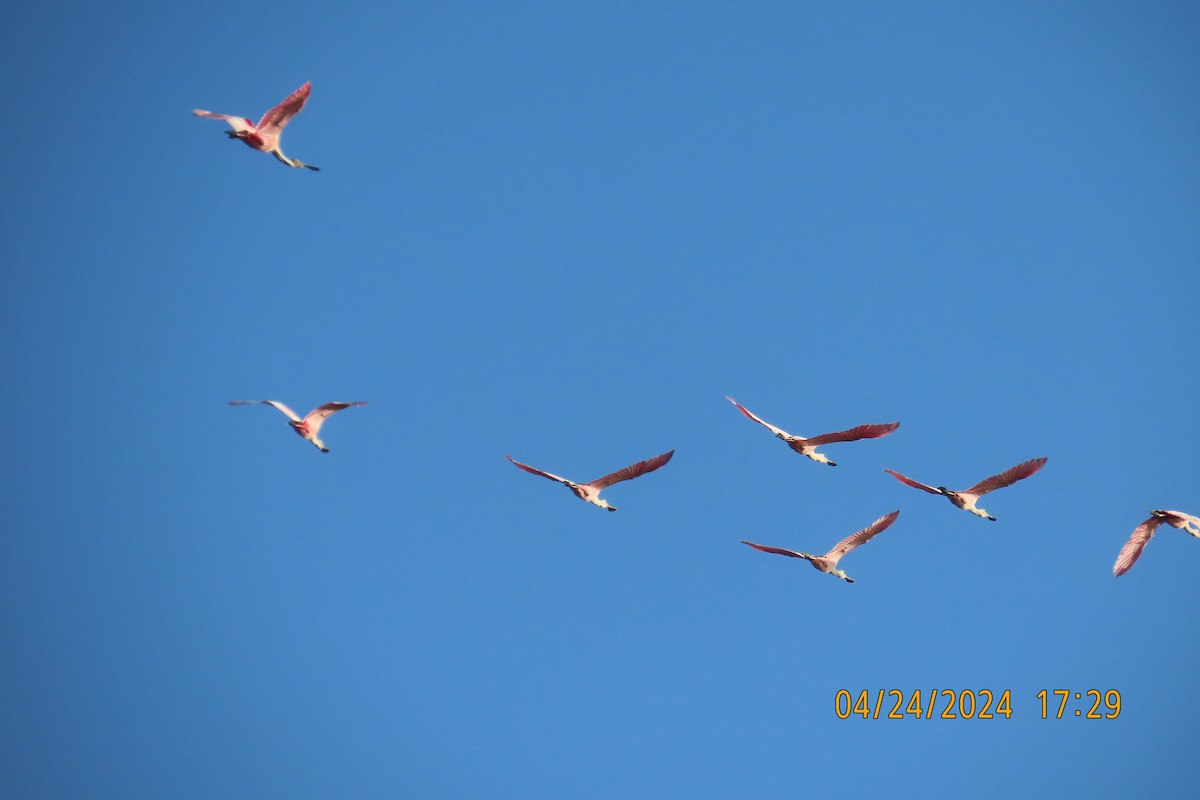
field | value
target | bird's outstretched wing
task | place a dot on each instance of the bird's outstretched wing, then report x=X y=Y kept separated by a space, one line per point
x=273 y=121
x=764 y=423
x=237 y=123
x=537 y=471
x=1008 y=477
x=854 y=434
x=316 y=418
x=779 y=551
x=632 y=471
x=862 y=537
x=290 y=414
x=1133 y=548
x=911 y=482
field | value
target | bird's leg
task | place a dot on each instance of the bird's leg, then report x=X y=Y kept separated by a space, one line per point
x=600 y=501
x=831 y=569
x=292 y=162
x=596 y=501
x=979 y=512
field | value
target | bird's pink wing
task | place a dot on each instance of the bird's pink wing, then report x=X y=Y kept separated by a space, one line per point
x=764 y=423
x=1008 y=477
x=779 y=551
x=862 y=537
x=854 y=434
x=632 y=471
x=237 y=123
x=537 y=471
x=1133 y=548
x=273 y=122
x=291 y=414
x=911 y=482
x=316 y=418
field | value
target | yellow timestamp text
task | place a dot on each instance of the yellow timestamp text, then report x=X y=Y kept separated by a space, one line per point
x=970 y=704
x=1058 y=702
x=917 y=704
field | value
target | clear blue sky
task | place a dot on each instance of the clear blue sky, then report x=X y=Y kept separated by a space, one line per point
x=565 y=232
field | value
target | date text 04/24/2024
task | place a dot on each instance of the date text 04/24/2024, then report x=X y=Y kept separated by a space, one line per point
x=971 y=704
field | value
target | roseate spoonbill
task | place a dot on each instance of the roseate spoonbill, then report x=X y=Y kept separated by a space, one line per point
x=265 y=135
x=967 y=498
x=808 y=447
x=308 y=427
x=828 y=562
x=1142 y=533
x=591 y=491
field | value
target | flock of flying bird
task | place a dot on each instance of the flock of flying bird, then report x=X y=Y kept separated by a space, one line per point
x=265 y=135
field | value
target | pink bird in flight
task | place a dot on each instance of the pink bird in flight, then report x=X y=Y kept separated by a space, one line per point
x=265 y=135
x=310 y=426
x=1143 y=533
x=828 y=562
x=591 y=491
x=808 y=447
x=967 y=498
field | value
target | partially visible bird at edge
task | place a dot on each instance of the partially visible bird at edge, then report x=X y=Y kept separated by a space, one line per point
x=1143 y=533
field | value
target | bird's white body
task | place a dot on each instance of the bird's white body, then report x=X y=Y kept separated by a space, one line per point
x=966 y=501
